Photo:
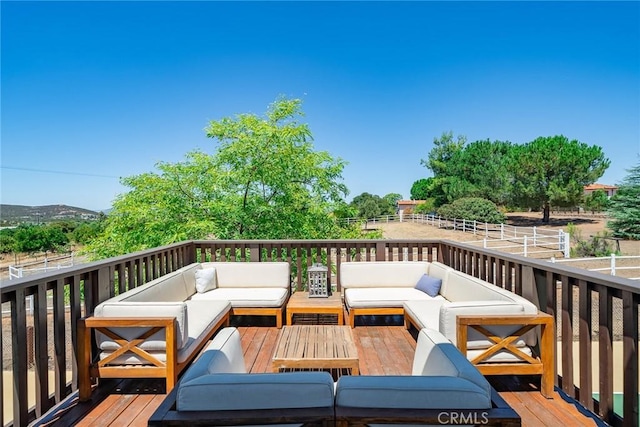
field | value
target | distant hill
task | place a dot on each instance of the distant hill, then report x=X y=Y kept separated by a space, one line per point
x=37 y=214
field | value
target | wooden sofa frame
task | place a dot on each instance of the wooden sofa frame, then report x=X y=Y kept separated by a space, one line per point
x=90 y=366
x=501 y=414
x=167 y=415
x=542 y=365
x=351 y=313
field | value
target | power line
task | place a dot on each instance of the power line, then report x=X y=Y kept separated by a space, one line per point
x=57 y=172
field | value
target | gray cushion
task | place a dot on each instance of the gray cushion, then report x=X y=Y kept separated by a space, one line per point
x=408 y=392
x=218 y=392
x=429 y=285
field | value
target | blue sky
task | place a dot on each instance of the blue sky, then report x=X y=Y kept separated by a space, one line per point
x=93 y=91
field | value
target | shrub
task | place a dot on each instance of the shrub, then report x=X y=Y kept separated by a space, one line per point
x=472 y=209
x=596 y=246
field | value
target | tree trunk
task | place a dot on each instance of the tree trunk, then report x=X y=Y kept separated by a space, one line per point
x=546 y=212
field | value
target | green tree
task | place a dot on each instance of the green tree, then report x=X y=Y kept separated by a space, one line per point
x=553 y=171
x=444 y=148
x=39 y=238
x=7 y=241
x=597 y=201
x=422 y=189
x=392 y=200
x=624 y=207
x=264 y=181
x=370 y=206
x=480 y=170
x=438 y=161
x=428 y=207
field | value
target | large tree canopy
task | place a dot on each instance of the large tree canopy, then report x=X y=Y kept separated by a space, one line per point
x=264 y=181
x=624 y=207
x=553 y=171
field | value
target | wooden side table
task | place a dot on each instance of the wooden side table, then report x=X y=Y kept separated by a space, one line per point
x=300 y=303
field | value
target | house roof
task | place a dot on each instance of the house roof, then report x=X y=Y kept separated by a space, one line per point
x=410 y=202
x=597 y=186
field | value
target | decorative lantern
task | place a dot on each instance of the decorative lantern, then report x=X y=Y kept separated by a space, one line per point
x=318 y=286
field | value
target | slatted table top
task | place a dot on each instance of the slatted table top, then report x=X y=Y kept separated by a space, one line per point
x=316 y=347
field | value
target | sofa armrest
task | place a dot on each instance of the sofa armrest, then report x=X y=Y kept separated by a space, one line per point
x=142 y=310
x=544 y=365
x=451 y=311
x=150 y=326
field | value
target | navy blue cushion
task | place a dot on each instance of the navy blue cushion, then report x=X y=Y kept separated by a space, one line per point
x=429 y=285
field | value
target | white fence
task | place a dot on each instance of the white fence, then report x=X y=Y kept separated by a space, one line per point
x=613 y=264
x=65 y=261
x=525 y=241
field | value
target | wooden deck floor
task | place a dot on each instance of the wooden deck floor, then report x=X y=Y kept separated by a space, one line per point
x=383 y=350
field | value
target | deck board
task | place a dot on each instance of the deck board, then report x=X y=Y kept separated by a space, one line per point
x=383 y=350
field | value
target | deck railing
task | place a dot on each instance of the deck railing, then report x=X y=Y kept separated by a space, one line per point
x=595 y=314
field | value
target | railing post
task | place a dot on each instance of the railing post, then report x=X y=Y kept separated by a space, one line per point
x=464 y=225
x=524 y=241
x=567 y=246
x=535 y=236
x=380 y=251
x=475 y=227
x=613 y=264
x=484 y=243
x=501 y=231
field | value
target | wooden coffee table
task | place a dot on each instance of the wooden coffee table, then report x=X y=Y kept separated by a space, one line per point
x=316 y=347
x=300 y=303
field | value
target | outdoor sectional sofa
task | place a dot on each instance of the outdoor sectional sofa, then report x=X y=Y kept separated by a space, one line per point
x=496 y=329
x=217 y=390
x=156 y=329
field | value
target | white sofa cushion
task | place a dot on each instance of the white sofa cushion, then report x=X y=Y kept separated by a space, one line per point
x=246 y=297
x=475 y=340
x=251 y=274
x=200 y=317
x=168 y=288
x=220 y=392
x=205 y=279
x=143 y=309
x=425 y=313
x=383 y=297
x=222 y=356
x=387 y=274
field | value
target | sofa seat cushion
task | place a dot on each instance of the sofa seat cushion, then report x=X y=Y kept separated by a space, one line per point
x=501 y=356
x=426 y=392
x=383 y=297
x=201 y=316
x=425 y=313
x=246 y=297
x=237 y=392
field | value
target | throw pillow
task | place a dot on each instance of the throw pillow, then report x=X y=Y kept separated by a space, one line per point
x=429 y=285
x=206 y=280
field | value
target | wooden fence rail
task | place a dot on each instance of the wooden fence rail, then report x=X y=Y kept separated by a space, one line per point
x=594 y=312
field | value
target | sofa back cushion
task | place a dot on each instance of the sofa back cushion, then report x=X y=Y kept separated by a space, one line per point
x=168 y=288
x=238 y=392
x=463 y=287
x=251 y=274
x=157 y=342
x=437 y=356
x=385 y=274
x=222 y=356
